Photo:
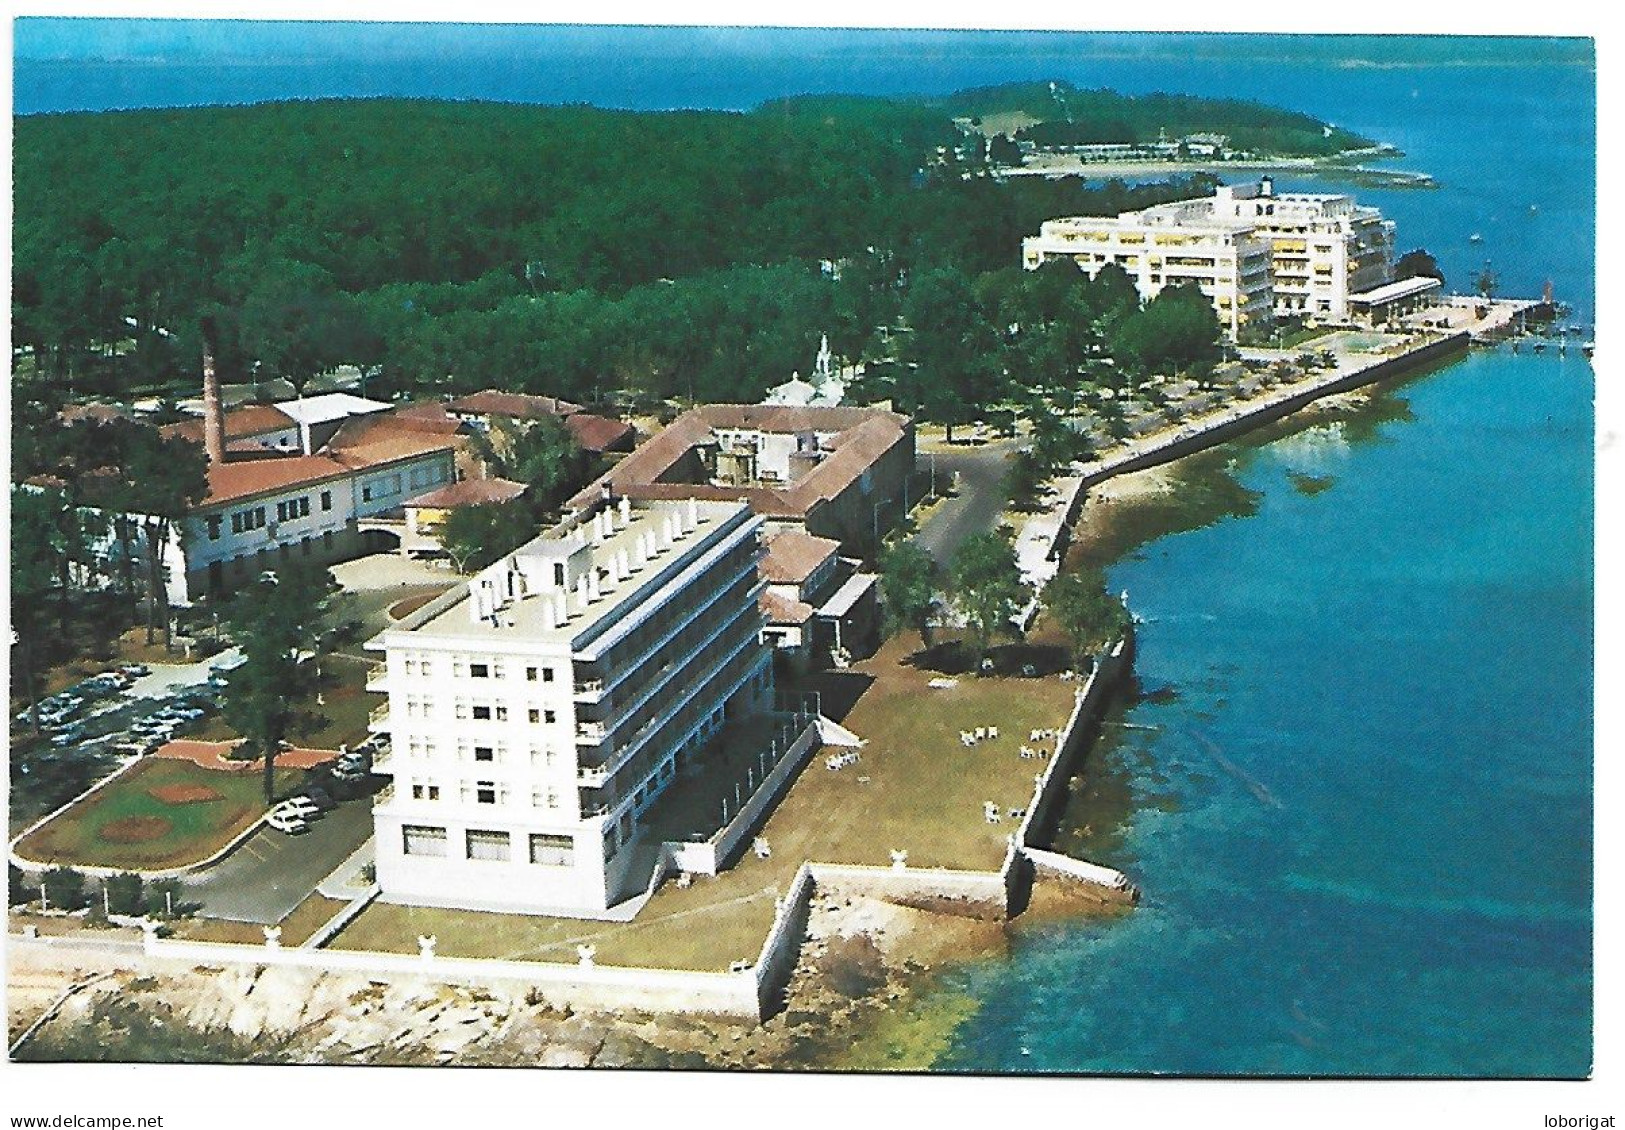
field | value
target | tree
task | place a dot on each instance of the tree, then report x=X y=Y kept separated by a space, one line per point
x=34 y=581
x=123 y=893
x=64 y=889
x=1001 y=150
x=544 y=456
x=1085 y=611
x=277 y=624
x=1417 y=264
x=475 y=536
x=1486 y=282
x=951 y=348
x=908 y=581
x=987 y=586
x=17 y=891
x=164 y=479
x=1177 y=331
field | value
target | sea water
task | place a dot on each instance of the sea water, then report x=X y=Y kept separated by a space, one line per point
x=1361 y=814
x=1358 y=794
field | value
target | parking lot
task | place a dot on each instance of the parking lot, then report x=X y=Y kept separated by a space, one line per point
x=272 y=872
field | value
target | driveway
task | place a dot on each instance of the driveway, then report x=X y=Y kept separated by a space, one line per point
x=980 y=501
x=271 y=873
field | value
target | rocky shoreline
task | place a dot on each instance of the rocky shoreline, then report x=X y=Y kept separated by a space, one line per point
x=852 y=1004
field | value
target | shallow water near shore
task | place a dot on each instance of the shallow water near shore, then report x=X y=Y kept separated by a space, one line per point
x=1362 y=818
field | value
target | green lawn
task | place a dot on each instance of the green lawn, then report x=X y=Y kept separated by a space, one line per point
x=110 y=827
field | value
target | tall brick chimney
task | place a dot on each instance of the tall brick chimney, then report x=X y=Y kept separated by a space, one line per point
x=214 y=415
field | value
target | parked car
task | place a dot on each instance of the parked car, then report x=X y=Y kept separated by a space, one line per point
x=70 y=736
x=135 y=670
x=289 y=823
x=318 y=796
x=300 y=806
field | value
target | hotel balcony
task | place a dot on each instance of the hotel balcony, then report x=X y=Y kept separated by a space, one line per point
x=378 y=677
x=592 y=776
x=589 y=690
x=383 y=796
x=381 y=757
x=590 y=733
x=378 y=719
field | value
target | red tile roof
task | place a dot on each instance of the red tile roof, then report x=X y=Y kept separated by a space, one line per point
x=782 y=610
x=597 y=433
x=241 y=423
x=793 y=556
x=358 y=445
x=863 y=436
x=470 y=492
x=518 y=405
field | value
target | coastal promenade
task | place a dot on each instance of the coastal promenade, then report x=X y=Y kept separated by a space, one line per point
x=1042 y=541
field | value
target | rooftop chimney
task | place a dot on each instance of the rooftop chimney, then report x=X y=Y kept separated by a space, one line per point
x=214 y=415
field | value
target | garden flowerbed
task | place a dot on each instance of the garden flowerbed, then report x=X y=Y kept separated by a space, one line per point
x=155 y=815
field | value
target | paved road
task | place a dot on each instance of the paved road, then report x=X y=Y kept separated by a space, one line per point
x=980 y=500
x=271 y=873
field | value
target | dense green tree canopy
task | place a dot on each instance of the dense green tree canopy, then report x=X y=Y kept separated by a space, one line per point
x=447 y=246
x=908 y=581
x=987 y=585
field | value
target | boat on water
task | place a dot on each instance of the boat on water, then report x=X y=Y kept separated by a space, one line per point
x=1475 y=238
x=1539 y=347
x=1587 y=347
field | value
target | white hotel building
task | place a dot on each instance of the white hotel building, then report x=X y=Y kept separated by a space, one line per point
x=1255 y=253
x=537 y=711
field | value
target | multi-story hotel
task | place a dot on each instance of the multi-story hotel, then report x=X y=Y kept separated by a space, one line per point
x=537 y=712
x=1255 y=253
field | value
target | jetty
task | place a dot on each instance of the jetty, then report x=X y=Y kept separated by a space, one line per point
x=1487 y=321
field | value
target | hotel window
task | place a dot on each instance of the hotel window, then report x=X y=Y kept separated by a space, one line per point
x=497 y=671
x=236 y=523
x=327 y=500
x=485 y=792
x=502 y=713
x=410 y=666
x=530 y=674
x=479 y=671
x=484 y=753
x=214 y=527
x=547 y=674
x=425 y=792
x=551 y=850
x=418 y=839
x=491 y=847
x=482 y=714
x=366 y=493
x=611 y=846
x=549 y=716
x=535 y=715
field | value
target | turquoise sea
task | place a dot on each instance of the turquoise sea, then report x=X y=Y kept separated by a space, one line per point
x=1359 y=784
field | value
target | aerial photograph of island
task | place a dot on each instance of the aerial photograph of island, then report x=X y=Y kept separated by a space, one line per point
x=718 y=549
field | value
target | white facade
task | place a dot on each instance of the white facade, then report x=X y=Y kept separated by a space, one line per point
x=1256 y=254
x=227 y=542
x=1226 y=260
x=536 y=712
